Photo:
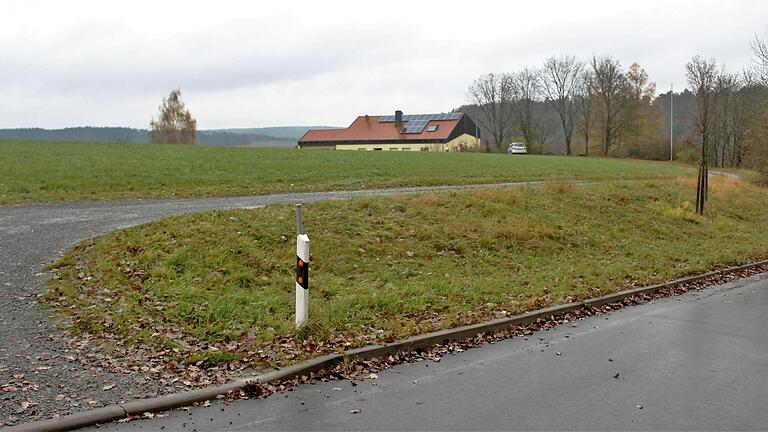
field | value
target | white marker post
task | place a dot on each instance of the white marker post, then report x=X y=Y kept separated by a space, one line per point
x=302 y=272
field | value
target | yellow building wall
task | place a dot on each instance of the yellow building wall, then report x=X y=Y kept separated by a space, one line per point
x=383 y=147
x=467 y=141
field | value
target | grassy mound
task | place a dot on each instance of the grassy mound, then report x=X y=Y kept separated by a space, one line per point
x=218 y=286
x=56 y=171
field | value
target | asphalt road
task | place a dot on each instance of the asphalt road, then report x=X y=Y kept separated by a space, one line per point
x=694 y=362
x=39 y=369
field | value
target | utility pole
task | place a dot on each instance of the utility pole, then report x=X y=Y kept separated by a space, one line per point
x=671 y=120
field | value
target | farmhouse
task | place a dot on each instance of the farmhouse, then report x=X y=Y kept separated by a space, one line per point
x=415 y=132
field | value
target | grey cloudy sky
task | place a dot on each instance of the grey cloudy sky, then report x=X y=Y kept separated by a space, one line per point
x=249 y=64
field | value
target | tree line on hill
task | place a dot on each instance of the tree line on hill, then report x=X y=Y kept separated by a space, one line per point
x=86 y=133
x=173 y=125
x=575 y=107
x=141 y=136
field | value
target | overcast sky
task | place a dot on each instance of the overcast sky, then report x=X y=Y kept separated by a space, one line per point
x=250 y=64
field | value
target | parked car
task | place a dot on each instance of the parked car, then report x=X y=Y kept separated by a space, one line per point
x=517 y=148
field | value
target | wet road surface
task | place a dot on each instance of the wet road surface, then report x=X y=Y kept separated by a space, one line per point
x=694 y=362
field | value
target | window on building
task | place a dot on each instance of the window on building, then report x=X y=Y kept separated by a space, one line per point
x=377 y=148
x=406 y=149
x=393 y=149
x=432 y=128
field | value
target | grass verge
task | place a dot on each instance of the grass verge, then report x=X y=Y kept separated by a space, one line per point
x=217 y=287
x=57 y=171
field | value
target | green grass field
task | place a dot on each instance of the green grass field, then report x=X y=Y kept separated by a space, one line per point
x=218 y=286
x=56 y=171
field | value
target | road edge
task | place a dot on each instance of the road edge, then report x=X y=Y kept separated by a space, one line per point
x=166 y=402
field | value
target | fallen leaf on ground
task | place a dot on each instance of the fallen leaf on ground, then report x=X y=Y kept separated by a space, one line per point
x=24 y=406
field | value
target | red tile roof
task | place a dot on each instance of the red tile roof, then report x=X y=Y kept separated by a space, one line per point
x=362 y=130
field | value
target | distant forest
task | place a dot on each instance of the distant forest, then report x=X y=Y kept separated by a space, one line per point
x=283 y=137
x=685 y=129
x=598 y=107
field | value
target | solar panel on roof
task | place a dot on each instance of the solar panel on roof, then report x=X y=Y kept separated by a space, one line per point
x=421 y=117
x=415 y=126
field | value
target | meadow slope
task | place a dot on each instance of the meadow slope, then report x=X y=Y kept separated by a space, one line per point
x=56 y=171
x=216 y=287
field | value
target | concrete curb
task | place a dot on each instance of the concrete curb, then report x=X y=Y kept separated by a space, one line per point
x=73 y=421
x=176 y=400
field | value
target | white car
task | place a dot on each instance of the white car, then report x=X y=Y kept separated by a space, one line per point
x=517 y=148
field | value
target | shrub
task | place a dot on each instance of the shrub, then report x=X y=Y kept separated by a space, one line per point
x=688 y=155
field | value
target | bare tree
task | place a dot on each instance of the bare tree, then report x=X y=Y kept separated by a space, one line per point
x=610 y=84
x=757 y=96
x=526 y=113
x=757 y=140
x=639 y=85
x=740 y=115
x=492 y=94
x=736 y=122
x=726 y=118
x=702 y=75
x=760 y=49
x=174 y=124
x=560 y=82
x=641 y=120
x=586 y=96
